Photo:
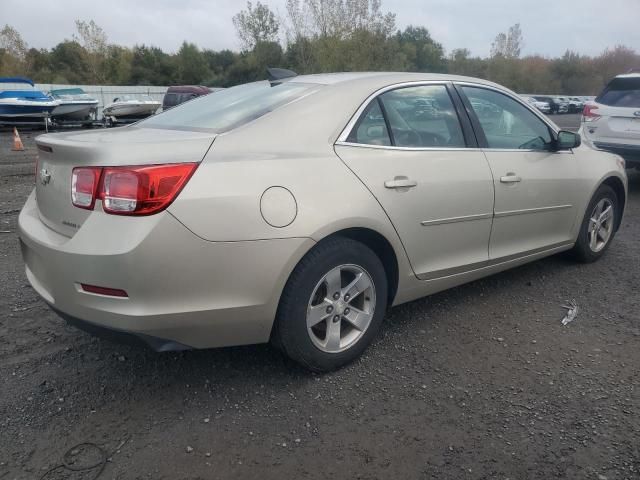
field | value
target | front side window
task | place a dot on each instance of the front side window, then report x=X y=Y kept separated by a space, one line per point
x=229 y=108
x=422 y=117
x=507 y=123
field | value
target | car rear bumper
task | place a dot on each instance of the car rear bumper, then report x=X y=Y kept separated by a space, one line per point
x=122 y=336
x=183 y=291
x=631 y=153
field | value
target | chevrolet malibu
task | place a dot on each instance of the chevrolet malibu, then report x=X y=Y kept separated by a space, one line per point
x=297 y=210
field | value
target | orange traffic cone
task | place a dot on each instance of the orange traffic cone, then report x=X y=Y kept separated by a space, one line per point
x=17 y=143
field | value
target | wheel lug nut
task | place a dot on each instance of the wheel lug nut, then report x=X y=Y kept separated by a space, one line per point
x=347 y=297
x=346 y=311
x=336 y=296
x=336 y=318
x=329 y=309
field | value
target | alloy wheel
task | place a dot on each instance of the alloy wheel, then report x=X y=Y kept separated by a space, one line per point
x=341 y=308
x=600 y=225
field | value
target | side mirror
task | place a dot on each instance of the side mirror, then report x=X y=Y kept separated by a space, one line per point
x=567 y=140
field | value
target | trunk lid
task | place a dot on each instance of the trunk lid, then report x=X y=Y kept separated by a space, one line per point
x=59 y=153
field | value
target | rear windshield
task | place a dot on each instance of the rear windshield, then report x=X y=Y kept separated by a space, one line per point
x=229 y=108
x=621 y=92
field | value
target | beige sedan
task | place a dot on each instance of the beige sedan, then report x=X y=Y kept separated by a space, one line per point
x=297 y=210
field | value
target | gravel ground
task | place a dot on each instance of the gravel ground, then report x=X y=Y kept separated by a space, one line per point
x=479 y=382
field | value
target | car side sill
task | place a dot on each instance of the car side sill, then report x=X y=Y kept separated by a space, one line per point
x=478 y=266
x=424 y=287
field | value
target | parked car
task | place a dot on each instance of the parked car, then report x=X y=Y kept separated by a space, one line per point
x=544 y=107
x=240 y=218
x=179 y=94
x=578 y=103
x=573 y=106
x=612 y=121
x=555 y=105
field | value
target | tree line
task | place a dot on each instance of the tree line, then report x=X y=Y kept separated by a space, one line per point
x=313 y=36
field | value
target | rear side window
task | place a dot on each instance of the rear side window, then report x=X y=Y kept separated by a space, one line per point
x=229 y=108
x=422 y=117
x=621 y=92
x=371 y=128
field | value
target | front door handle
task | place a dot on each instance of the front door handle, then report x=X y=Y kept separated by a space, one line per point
x=510 y=178
x=400 y=182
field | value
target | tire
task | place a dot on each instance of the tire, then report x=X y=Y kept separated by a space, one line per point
x=584 y=250
x=306 y=298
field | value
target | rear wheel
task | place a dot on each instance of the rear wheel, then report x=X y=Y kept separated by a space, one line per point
x=598 y=226
x=332 y=305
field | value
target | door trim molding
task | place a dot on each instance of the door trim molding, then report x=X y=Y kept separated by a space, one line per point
x=525 y=211
x=465 y=218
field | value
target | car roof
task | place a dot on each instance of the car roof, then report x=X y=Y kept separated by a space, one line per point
x=382 y=79
x=628 y=75
x=188 y=89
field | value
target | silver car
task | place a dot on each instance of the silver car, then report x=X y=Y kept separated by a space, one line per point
x=298 y=210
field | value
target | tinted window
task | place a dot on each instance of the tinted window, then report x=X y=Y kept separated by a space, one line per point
x=507 y=123
x=621 y=92
x=422 y=116
x=171 y=100
x=229 y=108
x=371 y=128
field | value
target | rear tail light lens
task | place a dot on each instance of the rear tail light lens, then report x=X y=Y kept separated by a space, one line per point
x=589 y=113
x=136 y=190
x=84 y=183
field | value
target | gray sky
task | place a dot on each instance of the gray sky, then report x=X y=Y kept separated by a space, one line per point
x=550 y=27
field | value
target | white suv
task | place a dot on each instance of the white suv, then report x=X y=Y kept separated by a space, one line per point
x=612 y=121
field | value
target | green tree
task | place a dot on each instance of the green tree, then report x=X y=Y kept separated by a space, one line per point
x=12 y=43
x=192 y=65
x=70 y=63
x=117 y=65
x=508 y=45
x=422 y=52
x=151 y=66
x=13 y=52
x=256 y=24
x=461 y=62
x=38 y=65
x=94 y=41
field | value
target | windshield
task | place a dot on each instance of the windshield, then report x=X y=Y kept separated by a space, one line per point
x=229 y=108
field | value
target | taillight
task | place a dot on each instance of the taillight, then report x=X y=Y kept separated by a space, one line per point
x=138 y=190
x=84 y=185
x=589 y=113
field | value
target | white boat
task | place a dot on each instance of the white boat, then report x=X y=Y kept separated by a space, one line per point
x=75 y=105
x=129 y=106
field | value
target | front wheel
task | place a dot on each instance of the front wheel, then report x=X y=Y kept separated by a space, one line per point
x=598 y=226
x=333 y=305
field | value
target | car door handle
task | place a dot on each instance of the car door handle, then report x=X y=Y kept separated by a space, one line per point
x=510 y=178
x=400 y=182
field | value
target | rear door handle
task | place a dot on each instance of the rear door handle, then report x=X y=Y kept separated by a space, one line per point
x=400 y=182
x=510 y=178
